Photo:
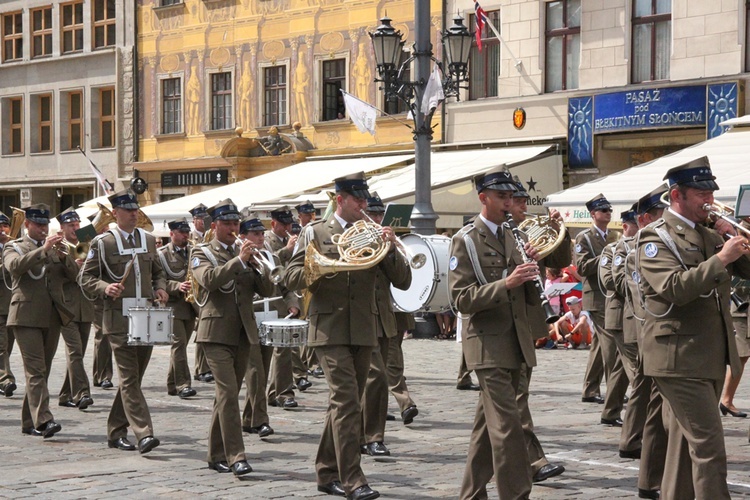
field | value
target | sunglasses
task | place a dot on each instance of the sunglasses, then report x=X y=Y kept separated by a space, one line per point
x=605 y=210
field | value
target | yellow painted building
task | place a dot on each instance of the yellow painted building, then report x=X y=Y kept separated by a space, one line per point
x=208 y=68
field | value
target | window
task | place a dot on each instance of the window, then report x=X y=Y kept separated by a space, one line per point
x=104 y=23
x=15 y=119
x=274 y=93
x=41 y=32
x=45 y=124
x=164 y=3
x=484 y=66
x=71 y=112
x=171 y=106
x=652 y=35
x=72 y=27
x=8 y=199
x=563 y=49
x=334 y=78
x=12 y=37
x=107 y=118
x=221 y=101
x=393 y=105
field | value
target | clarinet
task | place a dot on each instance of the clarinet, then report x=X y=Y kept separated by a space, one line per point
x=538 y=285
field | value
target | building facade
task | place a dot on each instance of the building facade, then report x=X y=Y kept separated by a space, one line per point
x=231 y=89
x=613 y=83
x=66 y=81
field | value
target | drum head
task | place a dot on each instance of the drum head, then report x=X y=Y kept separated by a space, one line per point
x=285 y=322
x=427 y=282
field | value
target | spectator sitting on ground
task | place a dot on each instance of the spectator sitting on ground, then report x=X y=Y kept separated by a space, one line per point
x=575 y=326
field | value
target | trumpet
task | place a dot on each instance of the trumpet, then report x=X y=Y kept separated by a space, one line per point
x=726 y=213
x=415 y=261
x=274 y=271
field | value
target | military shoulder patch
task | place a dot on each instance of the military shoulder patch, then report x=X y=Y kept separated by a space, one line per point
x=195 y=262
x=650 y=250
x=453 y=264
x=618 y=260
x=578 y=247
x=604 y=261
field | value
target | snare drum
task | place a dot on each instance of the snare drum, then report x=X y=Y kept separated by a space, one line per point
x=284 y=332
x=150 y=326
x=429 y=284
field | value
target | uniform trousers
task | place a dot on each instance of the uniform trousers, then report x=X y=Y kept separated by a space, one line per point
x=464 y=374
x=592 y=379
x=375 y=398
x=537 y=458
x=38 y=347
x=255 y=412
x=617 y=380
x=695 y=439
x=497 y=445
x=299 y=367
x=6 y=348
x=280 y=377
x=654 y=443
x=633 y=421
x=346 y=369
x=103 y=369
x=395 y=372
x=201 y=363
x=178 y=374
x=228 y=364
x=129 y=407
x=76 y=384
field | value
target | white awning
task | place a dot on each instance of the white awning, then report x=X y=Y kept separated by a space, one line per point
x=728 y=155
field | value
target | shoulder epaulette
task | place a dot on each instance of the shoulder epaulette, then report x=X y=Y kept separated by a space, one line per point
x=466 y=229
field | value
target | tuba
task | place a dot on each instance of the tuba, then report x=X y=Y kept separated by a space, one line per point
x=360 y=247
x=542 y=233
x=16 y=222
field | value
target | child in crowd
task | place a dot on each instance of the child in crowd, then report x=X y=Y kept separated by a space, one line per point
x=575 y=327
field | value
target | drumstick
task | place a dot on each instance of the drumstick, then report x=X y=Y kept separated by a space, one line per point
x=128 y=267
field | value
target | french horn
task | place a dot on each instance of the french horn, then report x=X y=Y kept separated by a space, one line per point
x=544 y=233
x=16 y=222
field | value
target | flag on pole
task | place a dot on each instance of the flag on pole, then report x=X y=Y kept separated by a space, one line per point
x=433 y=93
x=107 y=186
x=480 y=19
x=362 y=114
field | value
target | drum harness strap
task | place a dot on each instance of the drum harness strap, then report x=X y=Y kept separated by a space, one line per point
x=471 y=249
x=2 y=270
x=602 y=290
x=33 y=276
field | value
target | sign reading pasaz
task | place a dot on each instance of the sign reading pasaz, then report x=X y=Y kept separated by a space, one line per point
x=207 y=178
x=650 y=108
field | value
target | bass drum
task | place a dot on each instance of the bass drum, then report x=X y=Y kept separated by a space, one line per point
x=429 y=283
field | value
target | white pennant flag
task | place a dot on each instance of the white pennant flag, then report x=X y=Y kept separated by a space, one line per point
x=363 y=115
x=103 y=182
x=433 y=93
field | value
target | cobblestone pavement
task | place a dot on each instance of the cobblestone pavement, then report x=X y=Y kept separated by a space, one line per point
x=427 y=459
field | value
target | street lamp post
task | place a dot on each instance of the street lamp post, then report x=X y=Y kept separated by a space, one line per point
x=388 y=47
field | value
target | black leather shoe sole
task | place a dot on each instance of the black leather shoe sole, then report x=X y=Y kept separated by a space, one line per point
x=332 y=488
x=147 y=444
x=85 y=402
x=8 y=389
x=635 y=454
x=548 y=471
x=612 y=422
x=50 y=429
x=67 y=404
x=593 y=399
x=220 y=467
x=31 y=432
x=408 y=414
x=121 y=444
x=654 y=494
x=106 y=384
x=187 y=392
x=468 y=387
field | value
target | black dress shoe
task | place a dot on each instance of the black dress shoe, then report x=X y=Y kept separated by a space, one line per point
x=363 y=493
x=30 y=431
x=85 y=402
x=614 y=422
x=408 y=414
x=205 y=377
x=630 y=454
x=548 y=471
x=9 y=388
x=67 y=404
x=121 y=444
x=242 y=467
x=107 y=384
x=648 y=493
x=390 y=417
x=288 y=403
x=468 y=387
x=50 y=429
x=186 y=392
x=220 y=466
x=725 y=410
x=318 y=372
x=377 y=449
x=147 y=444
x=171 y=392
x=303 y=384
x=593 y=399
x=332 y=488
x=262 y=430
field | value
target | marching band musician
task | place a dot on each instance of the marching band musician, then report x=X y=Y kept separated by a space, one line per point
x=200 y=215
x=603 y=357
x=255 y=414
x=619 y=323
x=122 y=264
x=305 y=212
x=27 y=260
x=487 y=283
x=685 y=273
x=7 y=379
x=281 y=379
x=75 y=391
x=227 y=273
x=541 y=468
x=174 y=259
x=103 y=370
x=343 y=331
x=654 y=438
x=375 y=398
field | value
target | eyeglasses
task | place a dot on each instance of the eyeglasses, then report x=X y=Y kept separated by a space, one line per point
x=605 y=210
